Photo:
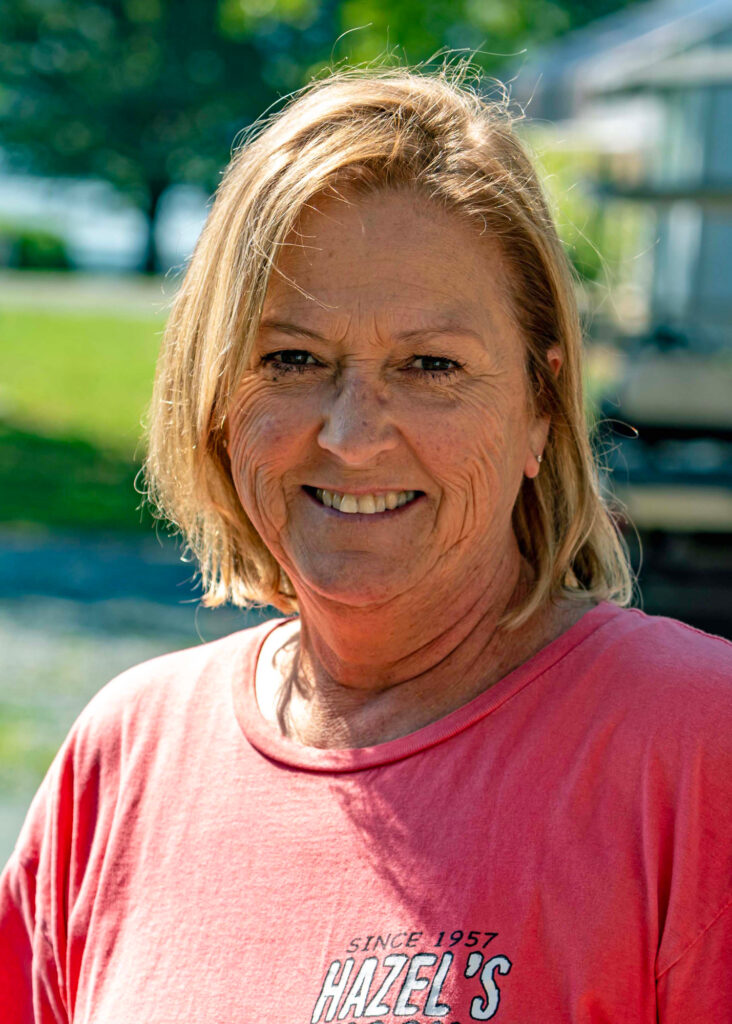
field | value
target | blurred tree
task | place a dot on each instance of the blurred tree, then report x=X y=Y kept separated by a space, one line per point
x=415 y=30
x=147 y=93
x=141 y=93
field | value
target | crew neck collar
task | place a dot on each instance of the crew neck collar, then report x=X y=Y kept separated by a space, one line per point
x=266 y=737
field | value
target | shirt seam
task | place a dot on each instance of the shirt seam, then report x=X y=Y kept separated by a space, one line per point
x=696 y=939
x=530 y=680
x=685 y=626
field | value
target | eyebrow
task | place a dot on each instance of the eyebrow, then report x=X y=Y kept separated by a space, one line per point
x=438 y=331
x=414 y=334
x=286 y=328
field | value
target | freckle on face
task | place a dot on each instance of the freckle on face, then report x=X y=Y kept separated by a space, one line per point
x=362 y=415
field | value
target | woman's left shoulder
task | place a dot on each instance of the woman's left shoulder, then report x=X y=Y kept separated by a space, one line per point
x=670 y=707
x=662 y=672
x=655 y=646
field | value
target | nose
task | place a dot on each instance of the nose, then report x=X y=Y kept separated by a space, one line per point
x=357 y=425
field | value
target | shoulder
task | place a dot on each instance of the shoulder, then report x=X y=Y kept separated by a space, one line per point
x=170 y=707
x=670 y=639
x=656 y=691
x=656 y=696
x=653 y=655
x=669 y=690
x=155 y=694
x=183 y=667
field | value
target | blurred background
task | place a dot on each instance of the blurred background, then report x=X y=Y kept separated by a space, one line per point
x=116 y=119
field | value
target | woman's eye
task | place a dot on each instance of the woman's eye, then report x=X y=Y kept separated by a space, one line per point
x=436 y=365
x=289 y=359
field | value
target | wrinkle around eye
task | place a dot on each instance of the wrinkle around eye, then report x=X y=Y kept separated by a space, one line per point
x=444 y=373
x=275 y=359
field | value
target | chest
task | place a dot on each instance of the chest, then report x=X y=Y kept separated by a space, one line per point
x=455 y=896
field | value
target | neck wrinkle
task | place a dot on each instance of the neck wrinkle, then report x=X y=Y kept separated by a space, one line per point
x=328 y=700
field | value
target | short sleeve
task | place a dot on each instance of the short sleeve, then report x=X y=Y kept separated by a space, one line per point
x=697 y=988
x=31 y=909
x=48 y=889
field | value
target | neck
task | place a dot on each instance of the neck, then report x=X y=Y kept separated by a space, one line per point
x=355 y=677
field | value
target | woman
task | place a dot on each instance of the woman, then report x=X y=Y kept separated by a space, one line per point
x=458 y=781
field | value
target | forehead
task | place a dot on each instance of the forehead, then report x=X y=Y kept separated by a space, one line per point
x=391 y=253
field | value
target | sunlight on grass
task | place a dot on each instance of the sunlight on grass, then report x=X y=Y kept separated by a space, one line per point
x=86 y=375
x=74 y=388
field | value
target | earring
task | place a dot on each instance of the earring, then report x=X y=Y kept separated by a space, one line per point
x=539 y=458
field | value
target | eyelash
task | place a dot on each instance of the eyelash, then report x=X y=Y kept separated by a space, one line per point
x=444 y=373
x=273 y=359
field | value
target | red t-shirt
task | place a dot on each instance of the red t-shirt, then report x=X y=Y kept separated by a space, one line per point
x=557 y=850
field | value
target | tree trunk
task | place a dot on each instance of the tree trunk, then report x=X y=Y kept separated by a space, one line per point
x=151 y=262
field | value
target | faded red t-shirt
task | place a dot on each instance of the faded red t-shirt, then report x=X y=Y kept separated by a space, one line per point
x=557 y=850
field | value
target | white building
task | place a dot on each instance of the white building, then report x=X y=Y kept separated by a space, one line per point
x=655 y=81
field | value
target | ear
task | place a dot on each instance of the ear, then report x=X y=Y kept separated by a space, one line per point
x=555 y=358
x=539 y=431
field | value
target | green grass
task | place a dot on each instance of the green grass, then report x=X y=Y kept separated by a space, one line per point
x=27 y=747
x=65 y=482
x=73 y=389
x=82 y=375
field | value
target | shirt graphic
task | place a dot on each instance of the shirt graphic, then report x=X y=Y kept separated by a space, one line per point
x=401 y=974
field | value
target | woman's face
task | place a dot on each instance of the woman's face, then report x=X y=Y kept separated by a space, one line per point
x=387 y=368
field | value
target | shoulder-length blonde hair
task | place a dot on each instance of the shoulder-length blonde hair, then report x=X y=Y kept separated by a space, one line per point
x=373 y=129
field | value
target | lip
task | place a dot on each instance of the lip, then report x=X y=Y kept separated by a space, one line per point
x=359 y=491
x=362 y=515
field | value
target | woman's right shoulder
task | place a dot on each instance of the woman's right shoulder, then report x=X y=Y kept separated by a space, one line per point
x=176 y=676
x=145 y=713
x=141 y=705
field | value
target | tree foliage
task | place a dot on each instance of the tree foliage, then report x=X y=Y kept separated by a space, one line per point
x=146 y=93
x=141 y=93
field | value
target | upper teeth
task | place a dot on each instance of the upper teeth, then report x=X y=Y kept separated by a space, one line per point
x=368 y=503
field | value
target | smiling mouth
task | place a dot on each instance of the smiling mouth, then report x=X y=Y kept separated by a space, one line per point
x=364 y=504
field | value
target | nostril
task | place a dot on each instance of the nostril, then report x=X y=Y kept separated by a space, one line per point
x=359 y=442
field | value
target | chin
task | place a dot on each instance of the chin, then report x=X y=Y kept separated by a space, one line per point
x=352 y=584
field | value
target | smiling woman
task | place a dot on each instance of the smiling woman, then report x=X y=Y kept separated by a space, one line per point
x=459 y=780
x=442 y=156
x=386 y=402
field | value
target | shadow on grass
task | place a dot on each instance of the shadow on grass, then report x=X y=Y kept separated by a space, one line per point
x=65 y=482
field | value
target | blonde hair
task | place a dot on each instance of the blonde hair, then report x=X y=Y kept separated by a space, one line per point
x=374 y=129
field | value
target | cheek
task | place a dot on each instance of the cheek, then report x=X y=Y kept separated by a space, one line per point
x=262 y=436
x=477 y=458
